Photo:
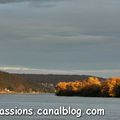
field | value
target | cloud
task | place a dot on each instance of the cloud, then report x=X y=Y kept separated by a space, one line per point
x=33 y=3
x=102 y=73
x=85 y=37
x=10 y=1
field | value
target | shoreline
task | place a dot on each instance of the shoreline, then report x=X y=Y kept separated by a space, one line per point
x=23 y=93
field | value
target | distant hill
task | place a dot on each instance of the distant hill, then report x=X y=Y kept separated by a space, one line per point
x=34 y=82
x=12 y=82
x=17 y=83
x=53 y=78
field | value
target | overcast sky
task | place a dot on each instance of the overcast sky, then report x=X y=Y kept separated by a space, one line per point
x=61 y=35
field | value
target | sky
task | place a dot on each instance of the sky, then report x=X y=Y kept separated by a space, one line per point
x=60 y=36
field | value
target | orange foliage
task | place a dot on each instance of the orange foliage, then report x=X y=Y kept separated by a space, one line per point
x=77 y=86
x=109 y=86
x=91 y=86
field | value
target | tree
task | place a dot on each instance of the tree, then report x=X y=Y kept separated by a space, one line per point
x=111 y=87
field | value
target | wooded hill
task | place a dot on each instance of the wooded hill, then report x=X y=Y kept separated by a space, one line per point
x=29 y=83
x=53 y=78
x=17 y=83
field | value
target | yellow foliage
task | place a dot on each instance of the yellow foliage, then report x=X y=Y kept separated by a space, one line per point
x=77 y=85
x=109 y=85
x=92 y=86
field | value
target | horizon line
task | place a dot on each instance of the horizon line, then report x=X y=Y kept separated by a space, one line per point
x=26 y=70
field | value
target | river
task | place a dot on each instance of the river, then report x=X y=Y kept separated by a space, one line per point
x=50 y=101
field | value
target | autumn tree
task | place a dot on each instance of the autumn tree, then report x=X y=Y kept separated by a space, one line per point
x=111 y=87
x=88 y=87
x=92 y=87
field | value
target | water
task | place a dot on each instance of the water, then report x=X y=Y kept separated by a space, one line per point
x=111 y=106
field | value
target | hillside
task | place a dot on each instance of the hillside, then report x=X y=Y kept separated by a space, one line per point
x=15 y=83
x=34 y=83
x=53 y=78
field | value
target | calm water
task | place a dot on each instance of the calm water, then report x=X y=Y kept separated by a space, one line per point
x=111 y=106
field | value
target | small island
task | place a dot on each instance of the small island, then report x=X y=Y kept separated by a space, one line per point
x=90 y=87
